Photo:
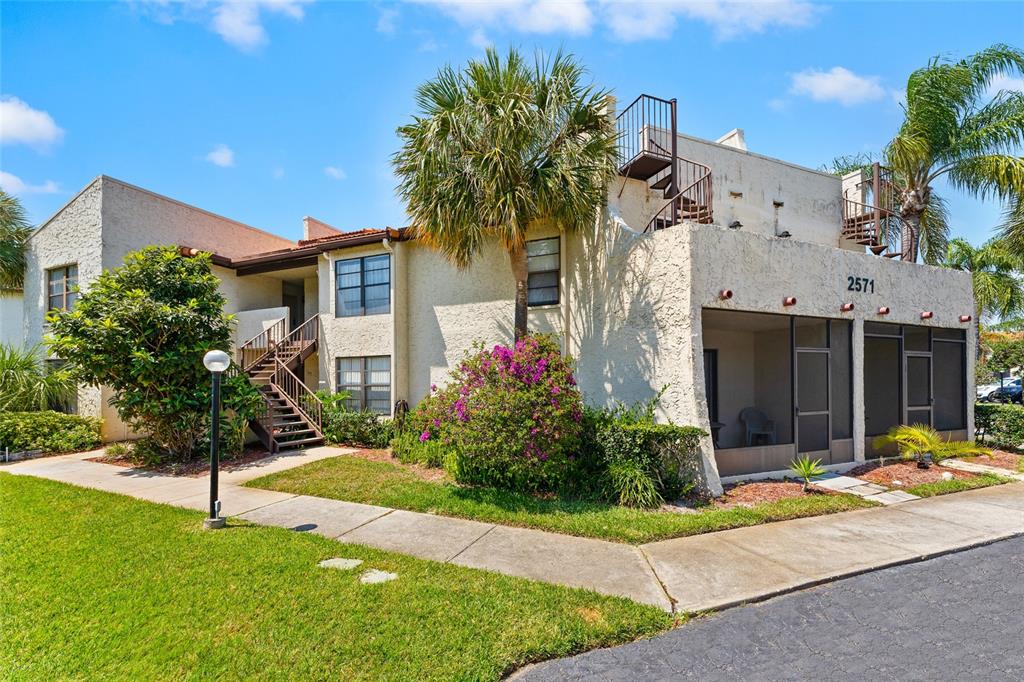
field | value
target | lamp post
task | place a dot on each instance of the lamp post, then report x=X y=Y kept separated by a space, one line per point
x=217 y=361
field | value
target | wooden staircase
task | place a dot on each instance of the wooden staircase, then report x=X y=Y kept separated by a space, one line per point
x=292 y=415
x=872 y=218
x=648 y=151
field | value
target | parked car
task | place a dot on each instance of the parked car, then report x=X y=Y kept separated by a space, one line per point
x=1011 y=393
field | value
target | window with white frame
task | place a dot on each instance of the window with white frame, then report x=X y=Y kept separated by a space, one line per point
x=367 y=381
x=363 y=286
x=542 y=257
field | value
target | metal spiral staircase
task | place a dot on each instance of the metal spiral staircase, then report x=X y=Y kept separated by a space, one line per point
x=648 y=151
x=873 y=219
x=292 y=415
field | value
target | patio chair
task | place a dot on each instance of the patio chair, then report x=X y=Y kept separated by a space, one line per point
x=758 y=425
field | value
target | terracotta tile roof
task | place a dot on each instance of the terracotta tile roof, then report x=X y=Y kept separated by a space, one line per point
x=344 y=236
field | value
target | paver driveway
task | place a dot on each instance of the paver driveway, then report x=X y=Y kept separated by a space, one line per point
x=956 y=617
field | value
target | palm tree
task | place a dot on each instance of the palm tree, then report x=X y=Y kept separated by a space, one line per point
x=14 y=234
x=948 y=130
x=500 y=147
x=923 y=444
x=27 y=384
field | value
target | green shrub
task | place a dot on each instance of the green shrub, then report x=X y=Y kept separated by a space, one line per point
x=509 y=418
x=665 y=453
x=806 y=469
x=1000 y=425
x=920 y=441
x=632 y=485
x=49 y=431
x=408 y=448
x=118 y=450
x=343 y=426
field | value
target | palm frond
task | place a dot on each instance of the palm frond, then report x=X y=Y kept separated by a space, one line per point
x=14 y=234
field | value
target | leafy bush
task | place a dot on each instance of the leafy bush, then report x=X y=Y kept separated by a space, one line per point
x=341 y=425
x=919 y=440
x=665 y=453
x=1000 y=425
x=510 y=417
x=49 y=431
x=806 y=469
x=142 y=329
x=118 y=450
x=26 y=383
x=409 y=449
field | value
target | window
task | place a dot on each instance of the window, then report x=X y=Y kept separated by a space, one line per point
x=363 y=286
x=69 y=405
x=367 y=381
x=60 y=283
x=542 y=259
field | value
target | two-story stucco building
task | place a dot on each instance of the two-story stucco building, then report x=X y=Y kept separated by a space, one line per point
x=764 y=295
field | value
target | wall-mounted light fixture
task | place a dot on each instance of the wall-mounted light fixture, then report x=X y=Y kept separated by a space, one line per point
x=966 y=318
x=735 y=224
x=883 y=310
x=789 y=300
x=846 y=307
x=927 y=315
x=725 y=294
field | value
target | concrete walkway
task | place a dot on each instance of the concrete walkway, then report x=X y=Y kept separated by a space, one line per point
x=695 y=573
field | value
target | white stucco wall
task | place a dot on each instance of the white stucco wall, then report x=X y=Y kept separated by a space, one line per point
x=12 y=332
x=249 y=323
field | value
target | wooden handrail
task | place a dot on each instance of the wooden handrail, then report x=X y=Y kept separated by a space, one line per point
x=253 y=351
x=298 y=394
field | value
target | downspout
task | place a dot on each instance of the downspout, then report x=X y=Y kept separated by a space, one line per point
x=386 y=243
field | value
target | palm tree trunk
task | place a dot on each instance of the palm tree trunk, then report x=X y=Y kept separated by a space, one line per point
x=910 y=236
x=520 y=270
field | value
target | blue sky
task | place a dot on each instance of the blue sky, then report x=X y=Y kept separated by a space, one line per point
x=268 y=111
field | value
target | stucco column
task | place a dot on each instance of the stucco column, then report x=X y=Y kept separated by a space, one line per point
x=858 y=390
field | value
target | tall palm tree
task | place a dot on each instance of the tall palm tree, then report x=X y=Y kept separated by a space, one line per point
x=950 y=130
x=502 y=146
x=995 y=276
x=14 y=234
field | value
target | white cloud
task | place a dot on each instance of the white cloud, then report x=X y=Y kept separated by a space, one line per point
x=15 y=185
x=837 y=85
x=1003 y=82
x=20 y=123
x=480 y=40
x=527 y=16
x=221 y=155
x=335 y=172
x=386 y=20
x=240 y=23
x=728 y=19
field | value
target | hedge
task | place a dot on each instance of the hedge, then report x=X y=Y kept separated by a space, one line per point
x=49 y=431
x=649 y=463
x=1000 y=425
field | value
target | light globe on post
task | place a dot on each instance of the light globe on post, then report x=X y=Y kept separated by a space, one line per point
x=217 y=362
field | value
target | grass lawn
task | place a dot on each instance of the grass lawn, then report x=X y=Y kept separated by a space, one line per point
x=956 y=485
x=101 y=586
x=382 y=483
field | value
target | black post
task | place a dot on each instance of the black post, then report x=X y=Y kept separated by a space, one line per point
x=214 y=521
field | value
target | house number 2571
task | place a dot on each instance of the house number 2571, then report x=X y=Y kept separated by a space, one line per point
x=864 y=284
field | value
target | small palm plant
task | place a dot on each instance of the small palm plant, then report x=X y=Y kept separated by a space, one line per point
x=925 y=445
x=806 y=469
x=27 y=384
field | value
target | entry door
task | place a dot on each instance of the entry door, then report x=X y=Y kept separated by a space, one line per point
x=917 y=378
x=813 y=402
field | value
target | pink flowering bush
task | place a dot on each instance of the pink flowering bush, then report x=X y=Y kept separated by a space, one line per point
x=509 y=417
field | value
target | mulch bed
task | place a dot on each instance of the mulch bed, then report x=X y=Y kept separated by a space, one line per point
x=903 y=474
x=194 y=468
x=1000 y=458
x=758 y=492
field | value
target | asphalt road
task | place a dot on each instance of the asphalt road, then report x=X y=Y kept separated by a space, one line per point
x=956 y=617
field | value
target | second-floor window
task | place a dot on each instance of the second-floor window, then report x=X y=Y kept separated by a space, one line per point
x=60 y=287
x=542 y=258
x=363 y=286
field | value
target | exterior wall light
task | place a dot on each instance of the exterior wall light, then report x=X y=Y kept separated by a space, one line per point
x=927 y=315
x=789 y=300
x=966 y=318
x=884 y=310
x=725 y=294
x=846 y=307
x=217 y=362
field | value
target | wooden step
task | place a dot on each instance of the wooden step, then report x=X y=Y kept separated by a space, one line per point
x=278 y=435
x=292 y=444
x=892 y=254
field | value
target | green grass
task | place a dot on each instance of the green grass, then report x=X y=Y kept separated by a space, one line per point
x=956 y=485
x=100 y=586
x=383 y=483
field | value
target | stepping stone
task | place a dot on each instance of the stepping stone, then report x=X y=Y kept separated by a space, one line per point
x=339 y=563
x=890 y=498
x=373 y=576
x=865 y=489
x=836 y=482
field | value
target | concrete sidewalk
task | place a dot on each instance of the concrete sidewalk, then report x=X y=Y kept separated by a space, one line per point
x=696 y=573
